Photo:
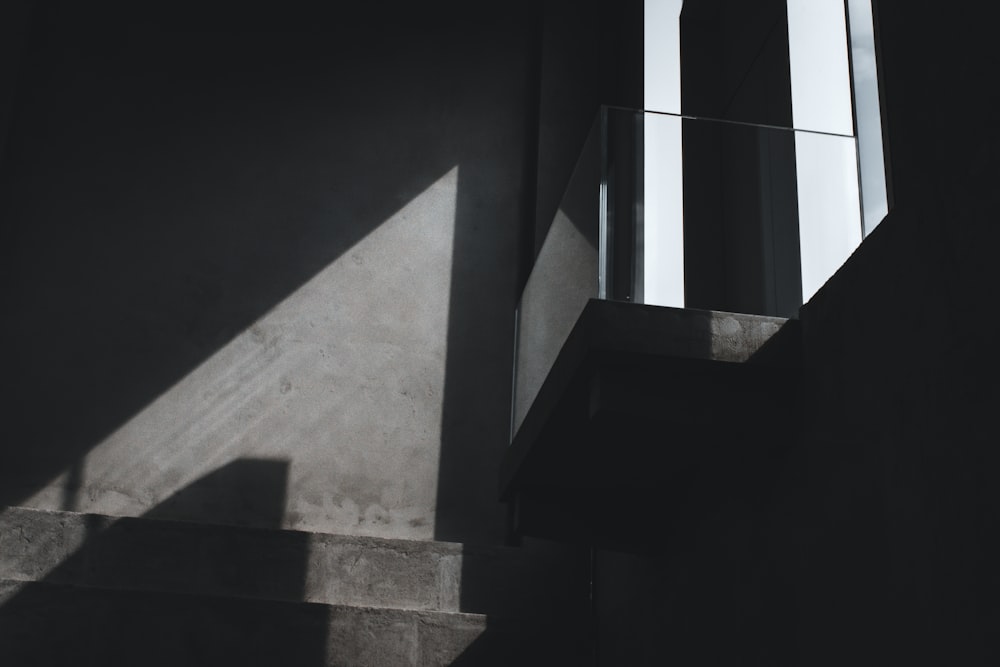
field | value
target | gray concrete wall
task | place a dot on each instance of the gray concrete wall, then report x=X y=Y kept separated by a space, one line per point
x=284 y=235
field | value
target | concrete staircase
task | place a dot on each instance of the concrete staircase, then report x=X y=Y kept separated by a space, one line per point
x=85 y=589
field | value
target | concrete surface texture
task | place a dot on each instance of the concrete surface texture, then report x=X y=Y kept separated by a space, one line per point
x=90 y=589
x=554 y=353
x=202 y=630
x=259 y=268
x=159 y=555
x=288 y=235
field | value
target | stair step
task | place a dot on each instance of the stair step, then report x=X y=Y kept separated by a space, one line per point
x=159 y=555
x=43 y=623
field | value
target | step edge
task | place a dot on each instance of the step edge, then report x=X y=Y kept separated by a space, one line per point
x=445 y=547
x=21 y=584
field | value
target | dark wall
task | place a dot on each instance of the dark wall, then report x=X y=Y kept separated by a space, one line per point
x=901 y=461
x=177 y=170
x=741 y=225
x=14 y=21
x=591 y=55
x=875 y=539
x=734 y=61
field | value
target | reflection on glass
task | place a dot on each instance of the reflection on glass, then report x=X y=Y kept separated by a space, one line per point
x=564 y=277
x=868 y=113
x=661 y=55
x=829 y=210
x=817 y=50
x=659 y=278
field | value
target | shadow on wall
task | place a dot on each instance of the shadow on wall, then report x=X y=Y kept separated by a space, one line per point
x=171 y=179
x=167 y=593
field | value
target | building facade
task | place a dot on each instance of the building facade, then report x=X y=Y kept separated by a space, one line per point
x=261 y=265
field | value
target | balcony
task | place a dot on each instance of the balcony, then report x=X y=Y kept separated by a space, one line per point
x=656 y=335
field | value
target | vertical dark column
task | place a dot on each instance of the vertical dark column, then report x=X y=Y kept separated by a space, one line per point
x=623 y=134
x=740 y=211
x=591 y=55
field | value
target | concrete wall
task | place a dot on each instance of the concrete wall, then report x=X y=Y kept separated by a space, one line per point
x=290 y=235
x=14 y=22
x=902 y=460
x=875 y=539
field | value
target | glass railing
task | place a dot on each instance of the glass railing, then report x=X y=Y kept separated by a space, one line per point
x=670 y=210
x=567 y=273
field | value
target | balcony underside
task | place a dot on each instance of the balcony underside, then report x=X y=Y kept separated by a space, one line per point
x=648 y=417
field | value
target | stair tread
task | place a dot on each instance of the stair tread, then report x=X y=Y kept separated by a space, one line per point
x=442 y=545
x=11 y=587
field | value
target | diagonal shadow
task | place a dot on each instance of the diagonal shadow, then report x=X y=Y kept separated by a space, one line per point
x=175 y=171
x=170 y=592
x=170 y=180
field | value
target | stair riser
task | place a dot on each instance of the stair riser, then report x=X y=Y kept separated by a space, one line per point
x=46 y=624
x=227 y=560
x=172 y=556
